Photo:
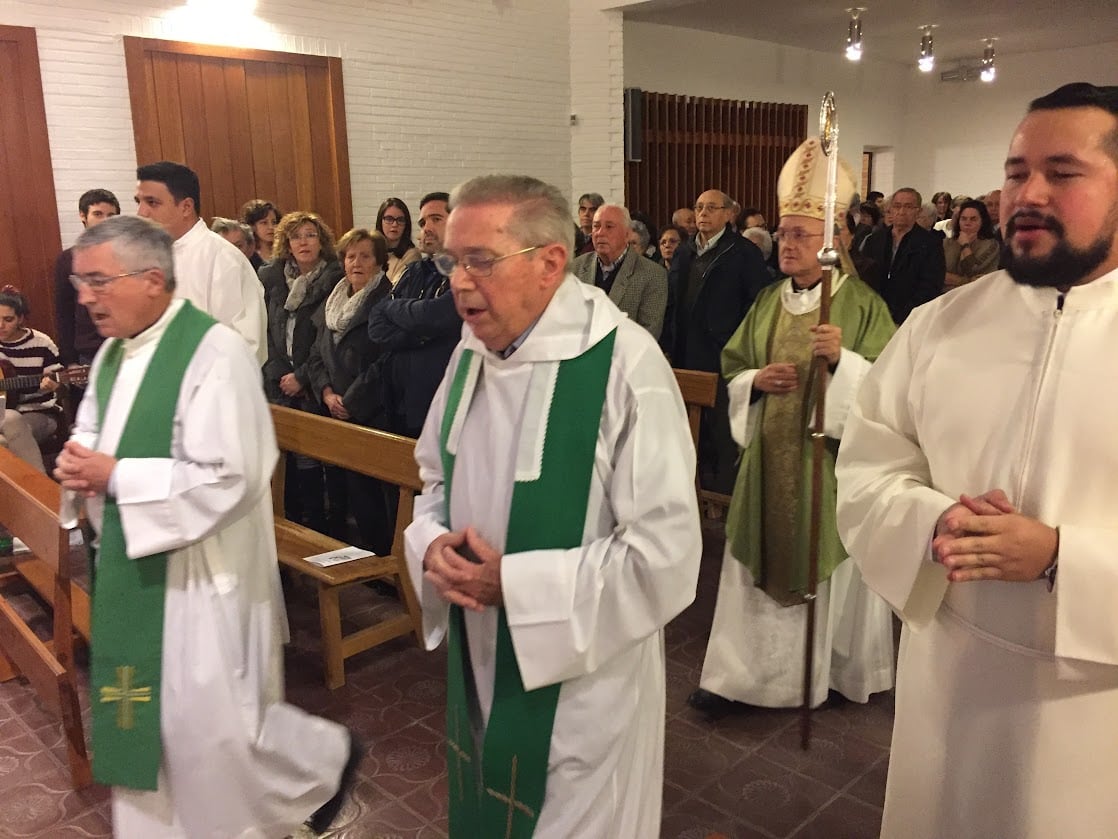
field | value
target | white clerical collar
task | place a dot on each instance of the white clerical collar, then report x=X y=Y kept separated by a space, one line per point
x=154 y=332
x=700 y=248
x=800 y=302
x=197 y=231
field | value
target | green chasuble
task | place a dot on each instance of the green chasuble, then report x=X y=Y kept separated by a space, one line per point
x=128 y=594
x=770 y=535
x=497 y=787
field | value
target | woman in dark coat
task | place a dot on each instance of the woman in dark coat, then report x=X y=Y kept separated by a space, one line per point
x=303 y=271
x=344 y=377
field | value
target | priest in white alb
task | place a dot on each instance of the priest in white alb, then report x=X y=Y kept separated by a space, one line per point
x=755 y=654
x=978 y=494
x=557 y=533
x=172 y=454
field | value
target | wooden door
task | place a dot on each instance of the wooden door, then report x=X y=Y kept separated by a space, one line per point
x=29 y=236
x=251 y=123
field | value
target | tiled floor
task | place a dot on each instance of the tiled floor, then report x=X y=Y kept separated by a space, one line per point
x=743 y=776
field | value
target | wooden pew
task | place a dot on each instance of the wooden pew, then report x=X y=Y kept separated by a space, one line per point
x=390 y=458
x=29 y=510
x=698 y=389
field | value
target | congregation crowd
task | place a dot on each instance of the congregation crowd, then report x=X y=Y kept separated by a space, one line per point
x=529 y=350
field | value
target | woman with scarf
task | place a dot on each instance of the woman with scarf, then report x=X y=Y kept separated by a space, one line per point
x=345 y=378
x=303 y=271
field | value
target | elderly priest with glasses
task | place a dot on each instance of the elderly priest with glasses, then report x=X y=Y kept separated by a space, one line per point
x=557 y=532
x=172 y=454
x=756 y=649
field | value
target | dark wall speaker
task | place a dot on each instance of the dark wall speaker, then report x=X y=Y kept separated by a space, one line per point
x=634 y=123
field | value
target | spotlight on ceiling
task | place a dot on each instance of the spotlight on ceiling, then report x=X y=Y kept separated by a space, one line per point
x=927 y=59
x=854 y=34
x=989 y=71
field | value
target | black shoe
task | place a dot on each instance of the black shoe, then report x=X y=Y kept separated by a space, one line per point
x=709 y=703
x=324 y=816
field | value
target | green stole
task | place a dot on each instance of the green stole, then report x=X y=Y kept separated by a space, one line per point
x=128 y=594
x=501 y=795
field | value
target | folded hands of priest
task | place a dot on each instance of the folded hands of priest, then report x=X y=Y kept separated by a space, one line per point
x=464 y=569
x=84 y=470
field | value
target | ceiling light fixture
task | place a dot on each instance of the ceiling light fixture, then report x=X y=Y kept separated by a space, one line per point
x=989 y=71
x=927 y=59
x=854 y=34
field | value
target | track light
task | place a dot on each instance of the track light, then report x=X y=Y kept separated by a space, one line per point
x=854 y=34
x=927 y=49
x=989 y=71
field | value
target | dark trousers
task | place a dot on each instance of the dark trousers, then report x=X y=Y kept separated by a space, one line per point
x=718 y=453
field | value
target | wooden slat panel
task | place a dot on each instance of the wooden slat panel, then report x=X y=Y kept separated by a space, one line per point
x=692 y=144
x=302 y=170
x=195 y=140
x=283 y=153
x=239 y=128
x=341 y=144
x=220 y=196
x=165 y=71
x=264 y=166
x=141 y=93
x=29 y=235
x=323 y=163
x=251 y=123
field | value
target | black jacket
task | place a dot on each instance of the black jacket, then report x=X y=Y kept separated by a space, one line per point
x=279 y=363
x=349 y=365
x=913 y=276
x=418 y=327
x=694 y=337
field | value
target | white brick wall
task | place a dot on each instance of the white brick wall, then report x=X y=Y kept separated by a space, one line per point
x=597 y=101
x=435 y=91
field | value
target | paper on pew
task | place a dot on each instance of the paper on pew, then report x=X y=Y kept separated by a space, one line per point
x=19 y=547
x=347 y=554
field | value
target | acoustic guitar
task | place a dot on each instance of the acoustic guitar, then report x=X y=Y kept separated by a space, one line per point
x=13 y=383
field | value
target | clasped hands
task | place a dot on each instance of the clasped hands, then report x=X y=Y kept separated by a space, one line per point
x=84 y=470
x=471 y=585
x=781 y=377
x=985 y=538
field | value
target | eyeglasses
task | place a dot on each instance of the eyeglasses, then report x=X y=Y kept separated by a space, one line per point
x=393 y=219
x=308 y=235
x=98 y=282
x=474 y=265
x=712 y=207
x=796 y=236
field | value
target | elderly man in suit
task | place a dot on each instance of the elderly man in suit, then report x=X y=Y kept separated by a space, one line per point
x=637 y=285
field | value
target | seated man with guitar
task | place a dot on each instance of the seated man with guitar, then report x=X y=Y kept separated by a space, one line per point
x=31 y=375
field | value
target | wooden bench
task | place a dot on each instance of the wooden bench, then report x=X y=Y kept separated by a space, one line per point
x=698 y=389
x=390 y=458
x=29 y=510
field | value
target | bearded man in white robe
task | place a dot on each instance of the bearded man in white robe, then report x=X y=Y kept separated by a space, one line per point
x=557 y=533
x=977 y=493
x=172 y=454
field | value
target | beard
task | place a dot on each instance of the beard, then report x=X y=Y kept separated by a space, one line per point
x=1065 y=265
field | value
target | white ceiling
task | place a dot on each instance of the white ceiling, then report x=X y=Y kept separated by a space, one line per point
x=891 y=28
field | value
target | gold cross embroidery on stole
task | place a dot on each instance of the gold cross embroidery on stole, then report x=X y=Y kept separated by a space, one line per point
x=125 y=694
x=510 y=799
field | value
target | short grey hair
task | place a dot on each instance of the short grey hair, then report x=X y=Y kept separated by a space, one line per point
x=626 y=219
x=594 y=198
x=641 y=229
x=761 y=238
x=221 y=225
x=542 y=213
x=138 y=244
x=928 y=212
